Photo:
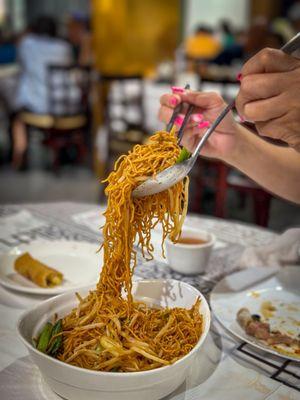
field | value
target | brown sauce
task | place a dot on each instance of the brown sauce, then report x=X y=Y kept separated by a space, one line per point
x=191 y=240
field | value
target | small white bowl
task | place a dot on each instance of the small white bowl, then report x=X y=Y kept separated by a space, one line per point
x=76 y=383
x=190 y=259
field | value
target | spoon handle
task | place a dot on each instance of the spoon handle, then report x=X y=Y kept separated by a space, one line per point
x=292 y=45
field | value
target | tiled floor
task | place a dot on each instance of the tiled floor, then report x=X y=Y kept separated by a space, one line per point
x=73 y=183
x=80 y=185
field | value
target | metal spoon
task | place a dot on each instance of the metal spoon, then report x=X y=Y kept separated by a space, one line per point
x=177 y=172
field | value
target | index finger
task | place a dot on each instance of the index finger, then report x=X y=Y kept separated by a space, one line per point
x=204 y=100
x=270 y=60
x=170 y=100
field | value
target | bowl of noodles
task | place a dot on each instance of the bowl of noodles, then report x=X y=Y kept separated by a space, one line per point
x=124 y=339
x=73 y=382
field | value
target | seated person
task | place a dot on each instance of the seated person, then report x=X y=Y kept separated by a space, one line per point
x=7 y=50
x=202 y=45
x=36 y=51
x=80 y=38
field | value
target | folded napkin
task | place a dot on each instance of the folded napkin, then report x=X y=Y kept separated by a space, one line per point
x=284 y=250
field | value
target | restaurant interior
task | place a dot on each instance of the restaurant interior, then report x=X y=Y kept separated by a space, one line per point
x=120 y=278
x=124 y=55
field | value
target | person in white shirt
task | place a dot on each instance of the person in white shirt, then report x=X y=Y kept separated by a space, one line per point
x=36 y=51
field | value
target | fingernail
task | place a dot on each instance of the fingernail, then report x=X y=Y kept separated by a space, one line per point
x=239 y=77
x=204 y=124
x=242 y=119
x=177 y=89
x=173 y=101
x=179 y=120
x=197 y=117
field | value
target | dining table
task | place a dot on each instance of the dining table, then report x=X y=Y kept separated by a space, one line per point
x=225 y=367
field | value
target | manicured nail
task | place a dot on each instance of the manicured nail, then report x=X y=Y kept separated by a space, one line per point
x=242 y=119
x=239 y=77
x=177 y=89
x=197 y=117
x=204 y=124
x=178 y=120
x=173 y=101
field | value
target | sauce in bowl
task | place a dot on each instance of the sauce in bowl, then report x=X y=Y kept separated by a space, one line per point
x=191 y=240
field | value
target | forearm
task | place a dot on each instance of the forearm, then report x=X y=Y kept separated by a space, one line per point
x=275 y=168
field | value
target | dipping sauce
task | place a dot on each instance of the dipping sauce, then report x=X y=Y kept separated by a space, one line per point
x=191 y=240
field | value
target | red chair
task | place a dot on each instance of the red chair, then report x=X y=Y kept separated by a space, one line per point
x=221 y=182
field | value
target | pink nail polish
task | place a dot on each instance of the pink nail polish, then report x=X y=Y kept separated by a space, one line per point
x=204 y=124
x=242 y=119
x=197 y=117
x=173 y=101
x=177 y=89
x=239 y=77
x=178 y=120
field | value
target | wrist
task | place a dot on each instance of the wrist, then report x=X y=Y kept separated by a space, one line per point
x=238 y=147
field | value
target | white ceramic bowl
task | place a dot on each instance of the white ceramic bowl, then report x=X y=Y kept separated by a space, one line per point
x=75 y=383
x=190 y=259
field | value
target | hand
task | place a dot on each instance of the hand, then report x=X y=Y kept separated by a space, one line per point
x=270 y=95
x=222 y=142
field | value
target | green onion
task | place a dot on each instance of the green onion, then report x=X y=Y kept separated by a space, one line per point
x=57 y=342
x=45 y=337
x=184 y=155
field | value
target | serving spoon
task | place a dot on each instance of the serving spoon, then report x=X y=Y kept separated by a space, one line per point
x=172 y=175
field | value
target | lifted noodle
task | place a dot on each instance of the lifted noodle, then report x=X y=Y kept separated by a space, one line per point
x=108 y=331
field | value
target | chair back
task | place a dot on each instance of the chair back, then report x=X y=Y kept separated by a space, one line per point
x=123 y=101
x=68 y=90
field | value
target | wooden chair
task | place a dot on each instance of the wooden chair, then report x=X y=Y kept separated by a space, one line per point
x=119 y=95
x=68 y=120
x=221 y=182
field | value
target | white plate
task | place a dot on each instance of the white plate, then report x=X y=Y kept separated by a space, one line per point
x=282 y=289
x=78 y=261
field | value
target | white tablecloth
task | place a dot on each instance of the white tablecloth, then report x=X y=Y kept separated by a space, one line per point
x=221 y=370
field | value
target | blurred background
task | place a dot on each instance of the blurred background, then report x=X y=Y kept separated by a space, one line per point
x=80 y=83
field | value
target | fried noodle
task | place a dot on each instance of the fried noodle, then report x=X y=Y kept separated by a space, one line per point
x=108 y=330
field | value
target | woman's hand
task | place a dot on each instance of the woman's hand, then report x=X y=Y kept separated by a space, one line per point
x=208 y=106
x=270 y=95
x=274 y=167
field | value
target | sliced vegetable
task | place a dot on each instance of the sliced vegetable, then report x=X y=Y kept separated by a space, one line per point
x=184 y=155
x=57 y=342
x=99 y=349
x=45 y=337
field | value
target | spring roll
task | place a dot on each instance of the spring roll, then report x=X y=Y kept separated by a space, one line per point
x=37 y=272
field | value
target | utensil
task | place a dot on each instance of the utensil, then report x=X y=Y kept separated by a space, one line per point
x=176 y=111
x=170 y=176
x=292 y=45
x=76 y=383
x=184 y=122
x=177 y=172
